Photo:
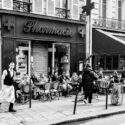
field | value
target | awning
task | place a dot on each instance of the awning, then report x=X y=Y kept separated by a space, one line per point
x=105 y=43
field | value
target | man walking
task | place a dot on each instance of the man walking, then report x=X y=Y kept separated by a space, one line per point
x=7 y=93
x=88 y=77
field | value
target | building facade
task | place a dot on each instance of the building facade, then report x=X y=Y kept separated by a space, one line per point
x=42 y=36
x=108 y=34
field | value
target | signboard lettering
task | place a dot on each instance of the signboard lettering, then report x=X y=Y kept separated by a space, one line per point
x=35 y=27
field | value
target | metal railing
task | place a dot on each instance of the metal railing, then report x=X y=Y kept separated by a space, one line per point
x=62 y=13
x=21 y=6
x=109 y=23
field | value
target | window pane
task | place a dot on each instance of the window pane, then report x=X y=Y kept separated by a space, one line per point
x=38 y=6
x=115 y=62
x=108 y=62
x=75 y=1
x=51 y=7
x=63 y=3
x=119 y=3
x=7 y=4
x=44 y=7
x=104 y=9
x=26 y=1
x=75 y=11
x=69 y=4
x=104 y=1
x=122 y=62
x=119 y=10
x=57 y=3
x=101 y=62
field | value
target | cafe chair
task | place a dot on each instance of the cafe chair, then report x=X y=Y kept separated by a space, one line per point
x=55 y=91
x=45 y=93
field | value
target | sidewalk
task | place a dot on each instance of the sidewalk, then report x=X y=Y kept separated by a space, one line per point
x=57 y=111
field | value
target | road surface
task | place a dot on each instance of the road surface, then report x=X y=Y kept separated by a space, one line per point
x=110 y=120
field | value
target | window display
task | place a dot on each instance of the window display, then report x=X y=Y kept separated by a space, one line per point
x=22 y=59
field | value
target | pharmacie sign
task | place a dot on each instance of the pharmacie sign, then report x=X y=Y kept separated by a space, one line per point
x=36 y=27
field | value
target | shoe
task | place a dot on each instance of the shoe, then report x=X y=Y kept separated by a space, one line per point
x=12 y=110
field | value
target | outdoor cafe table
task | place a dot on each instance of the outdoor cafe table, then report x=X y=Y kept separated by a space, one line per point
x=103 y=84
x=41 y=84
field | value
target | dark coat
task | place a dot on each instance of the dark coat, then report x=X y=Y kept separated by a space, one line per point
x=88 y=77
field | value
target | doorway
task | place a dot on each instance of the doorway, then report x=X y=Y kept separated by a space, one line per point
x=23 y=57
x=59 y=58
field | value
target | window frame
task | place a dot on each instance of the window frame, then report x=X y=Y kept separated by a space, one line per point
x=78 y=15
x=53 y=9
x=4 y=7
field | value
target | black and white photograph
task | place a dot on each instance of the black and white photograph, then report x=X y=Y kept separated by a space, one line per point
x=62 y=62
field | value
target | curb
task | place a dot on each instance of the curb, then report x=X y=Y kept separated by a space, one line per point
x=89 y=118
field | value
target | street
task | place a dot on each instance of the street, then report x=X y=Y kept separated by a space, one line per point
x=111 y=120
x=59 y=111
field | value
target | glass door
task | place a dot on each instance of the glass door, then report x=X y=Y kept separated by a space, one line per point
x=23 y=57
x=59 y=58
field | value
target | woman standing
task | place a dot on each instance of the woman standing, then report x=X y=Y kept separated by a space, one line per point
x=7 y=93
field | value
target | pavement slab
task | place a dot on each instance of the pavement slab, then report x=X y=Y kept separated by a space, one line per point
x=57 y=111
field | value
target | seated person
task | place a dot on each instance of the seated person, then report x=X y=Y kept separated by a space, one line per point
x=55 y=77
x=100 y=73
x=122 y=78
x=23 y=86
x=80 y=82
x=115 y=77
x=43 y=78
x=37 y=85
x=66 y=87
x=74 y=79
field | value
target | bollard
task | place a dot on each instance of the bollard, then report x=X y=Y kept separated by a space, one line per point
x=75 y=103
x=30 y=94
x=106 y=106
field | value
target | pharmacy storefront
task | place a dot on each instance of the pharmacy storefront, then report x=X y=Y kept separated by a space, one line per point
x=41 y=44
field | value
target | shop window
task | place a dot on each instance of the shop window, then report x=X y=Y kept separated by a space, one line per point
x=122 y=62
x=101 y=62
x=22 y=51
x=115 y=62
x=61 y=58
x=108 y=63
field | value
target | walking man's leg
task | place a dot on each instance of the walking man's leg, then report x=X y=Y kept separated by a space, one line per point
x=11 y=108
x=90 y=97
